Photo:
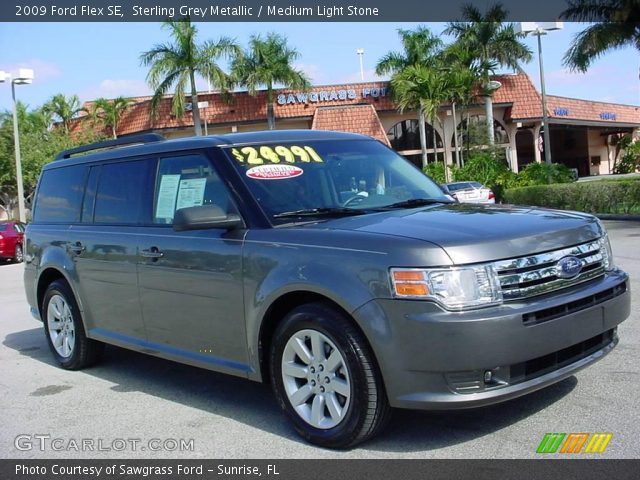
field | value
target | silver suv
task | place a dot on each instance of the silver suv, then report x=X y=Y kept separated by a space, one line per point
x=320 y=262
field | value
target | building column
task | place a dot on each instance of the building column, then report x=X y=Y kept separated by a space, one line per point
x=536 y=134
x=512 y=131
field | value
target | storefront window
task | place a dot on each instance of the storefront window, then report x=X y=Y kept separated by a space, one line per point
x=405 y=136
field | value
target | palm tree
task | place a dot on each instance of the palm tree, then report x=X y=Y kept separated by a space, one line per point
x=109 y=112
x=268 y=62
x=493 y=43
x=420 y=47
x=617 y=25
x=179 y=62
x=462 y=76
x=63 y=108
x=422 y=88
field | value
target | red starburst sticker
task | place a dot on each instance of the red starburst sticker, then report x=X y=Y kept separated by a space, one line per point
x=274 y=172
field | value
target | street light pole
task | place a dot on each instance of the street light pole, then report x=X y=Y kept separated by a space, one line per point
x=24 y=77
x=545 y=116
x=538 y=29
x=360 y=53
x=16 y=140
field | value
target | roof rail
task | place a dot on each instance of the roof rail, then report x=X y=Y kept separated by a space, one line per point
x=131 y=140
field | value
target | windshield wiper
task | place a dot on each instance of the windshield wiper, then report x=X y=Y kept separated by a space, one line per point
x=416 y=202
x=321 y=212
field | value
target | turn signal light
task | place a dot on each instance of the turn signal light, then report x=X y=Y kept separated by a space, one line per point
x=412 y=289
x=408 y=276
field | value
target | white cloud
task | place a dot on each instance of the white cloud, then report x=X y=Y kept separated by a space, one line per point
x=313 y=71
x=110 y=88
x=369 y=76
x=42 y=70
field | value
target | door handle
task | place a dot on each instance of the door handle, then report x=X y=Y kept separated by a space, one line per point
x=153 y=253
x=77 y=248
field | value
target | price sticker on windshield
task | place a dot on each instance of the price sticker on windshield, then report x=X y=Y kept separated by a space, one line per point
x=274 y=154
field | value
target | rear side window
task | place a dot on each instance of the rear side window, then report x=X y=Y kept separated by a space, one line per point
x=59 y=196
x=121 y=193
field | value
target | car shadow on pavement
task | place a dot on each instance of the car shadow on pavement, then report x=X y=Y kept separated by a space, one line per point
x=253 y=403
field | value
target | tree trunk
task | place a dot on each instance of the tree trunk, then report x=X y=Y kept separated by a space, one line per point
x=423 y=137
x=455 y=133
x=271 y=118
x=435 y=140
x=194 y=106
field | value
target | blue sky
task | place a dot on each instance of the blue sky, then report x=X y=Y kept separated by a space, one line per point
x=102 y=59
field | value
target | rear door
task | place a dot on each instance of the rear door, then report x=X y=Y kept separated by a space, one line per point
x=191 y=281
x=104 y=247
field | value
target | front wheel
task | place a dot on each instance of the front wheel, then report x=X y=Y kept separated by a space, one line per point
x=325 y=378
x=64 y=329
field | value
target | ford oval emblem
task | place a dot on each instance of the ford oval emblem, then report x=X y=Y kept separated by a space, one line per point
x=569 y=267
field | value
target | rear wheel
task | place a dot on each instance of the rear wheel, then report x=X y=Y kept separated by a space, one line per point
x=325 y=377
x=18 y=256
x=64 y=329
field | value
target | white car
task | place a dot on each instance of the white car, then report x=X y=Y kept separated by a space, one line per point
x=471 y=192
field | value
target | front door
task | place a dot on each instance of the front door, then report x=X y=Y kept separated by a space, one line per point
x=190 y=282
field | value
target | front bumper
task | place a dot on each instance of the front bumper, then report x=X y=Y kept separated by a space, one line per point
x=434 y=359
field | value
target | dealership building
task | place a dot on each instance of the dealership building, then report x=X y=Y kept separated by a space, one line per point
x=582 y=132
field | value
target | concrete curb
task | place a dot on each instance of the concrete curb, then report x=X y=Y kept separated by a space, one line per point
x=614 y=216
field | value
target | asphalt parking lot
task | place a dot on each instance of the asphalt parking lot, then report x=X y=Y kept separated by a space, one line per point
x=132 y=399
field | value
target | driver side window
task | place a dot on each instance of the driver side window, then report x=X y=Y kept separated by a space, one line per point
x=187 y=181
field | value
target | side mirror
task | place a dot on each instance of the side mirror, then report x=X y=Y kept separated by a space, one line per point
x=205 y=217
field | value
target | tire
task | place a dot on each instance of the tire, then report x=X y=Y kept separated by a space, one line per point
x=65 y=331
x=334 y=401
x=18 y=256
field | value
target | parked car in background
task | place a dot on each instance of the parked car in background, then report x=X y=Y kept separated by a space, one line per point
x=11 y=241
x=448 y=193
x=470 y=192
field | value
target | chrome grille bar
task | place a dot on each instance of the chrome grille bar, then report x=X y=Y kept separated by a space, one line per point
x=538 y=274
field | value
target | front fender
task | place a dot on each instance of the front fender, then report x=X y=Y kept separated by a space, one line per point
x=348 y=286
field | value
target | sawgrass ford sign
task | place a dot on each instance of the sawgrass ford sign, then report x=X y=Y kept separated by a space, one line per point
x=321 y=96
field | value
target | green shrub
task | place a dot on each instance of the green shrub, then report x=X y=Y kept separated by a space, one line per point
x=622 y=197
x=436 y=171
x=485 y=168
x=630 y=161
x=540 y=173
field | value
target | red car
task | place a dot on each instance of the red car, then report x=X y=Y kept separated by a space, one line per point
x=11 y=241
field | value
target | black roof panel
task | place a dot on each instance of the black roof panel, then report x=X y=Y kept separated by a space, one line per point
x=191 y=143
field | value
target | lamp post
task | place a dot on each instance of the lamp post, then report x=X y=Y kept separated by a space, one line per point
x=488 y=91
x=24 y=77
x=538 y=29
x=360 y=53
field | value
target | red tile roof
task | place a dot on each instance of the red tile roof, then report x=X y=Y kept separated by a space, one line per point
x=361 y=119
x=517 y=91
x=576 y=109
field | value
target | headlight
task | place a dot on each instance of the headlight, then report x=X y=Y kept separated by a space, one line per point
x=455 y=288
x=607 y=254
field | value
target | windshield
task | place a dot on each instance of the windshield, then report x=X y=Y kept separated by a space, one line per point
x=331 y=177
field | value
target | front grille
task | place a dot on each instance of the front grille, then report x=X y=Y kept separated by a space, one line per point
x=535 y=318
x=533 y=275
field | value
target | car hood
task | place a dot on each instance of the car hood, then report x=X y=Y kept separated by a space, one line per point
x=478 y=233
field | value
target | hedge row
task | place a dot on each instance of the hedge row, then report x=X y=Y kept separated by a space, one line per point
x=621 y=197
